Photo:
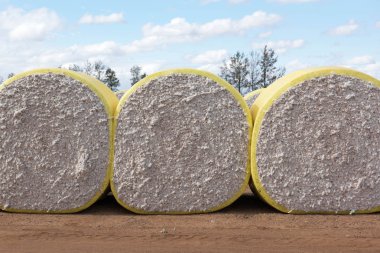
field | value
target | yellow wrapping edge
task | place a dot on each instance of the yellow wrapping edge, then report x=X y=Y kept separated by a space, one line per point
x=109 y=101
x=246 y=97
x=263 y=104
x=252 y=93
x=225 y=85
x=121 y=91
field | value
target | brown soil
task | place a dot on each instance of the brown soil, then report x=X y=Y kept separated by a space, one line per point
x=247 y=226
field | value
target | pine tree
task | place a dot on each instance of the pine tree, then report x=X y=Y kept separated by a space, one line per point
x=100 y=71
x=236 y=70
x=136 y=74
x=254 y=71
x=76 y=68
x=96 y=69
x=269 y=72
x=111 y=80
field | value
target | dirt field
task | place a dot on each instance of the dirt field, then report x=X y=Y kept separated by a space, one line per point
x=246 y=226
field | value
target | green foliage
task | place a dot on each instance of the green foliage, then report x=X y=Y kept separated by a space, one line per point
x=269 y=72
x=256 y=71
x=136 y=74
x=9 y=76
x=100 y=71
x=111 y=80
x=236 y=70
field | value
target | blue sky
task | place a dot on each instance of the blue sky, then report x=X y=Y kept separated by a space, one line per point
x=159 y=35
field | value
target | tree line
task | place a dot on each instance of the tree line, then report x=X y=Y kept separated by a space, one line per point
x=246 y=72
x=107 y=75
x=102 y=72
x=9 y=76
x=249 y=72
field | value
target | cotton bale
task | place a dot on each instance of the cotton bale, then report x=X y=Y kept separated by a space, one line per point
x=316 y=142
x=251 y=97
x=182 y=144
x=56 y=141
x=120 y=93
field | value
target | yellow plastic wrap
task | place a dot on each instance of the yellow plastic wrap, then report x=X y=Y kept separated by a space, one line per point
x=109 y=101
x=263 y=104
x=253 y=93
x=220 y=82
x=246 y=98
x=120 y=93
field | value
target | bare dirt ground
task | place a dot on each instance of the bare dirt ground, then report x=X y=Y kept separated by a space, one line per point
x=247 y=226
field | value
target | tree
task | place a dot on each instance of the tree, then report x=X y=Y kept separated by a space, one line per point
x=111 y=80
x=96 y=69
x=254 y=71
x=236 y=70
x=269 y=72
x=9 y=76
x=88 y=68
x=100 y=71
x=76 y=68
x=136 y=74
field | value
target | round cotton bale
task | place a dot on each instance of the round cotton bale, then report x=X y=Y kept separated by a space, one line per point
x=120 y=93
x=56 y=140
x=316 y=142
x=251 y=97
x=182 y=144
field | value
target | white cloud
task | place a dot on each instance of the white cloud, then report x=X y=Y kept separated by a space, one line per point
x=154 y=36
x=22 y=56
x=295 y=65
x=237 y=1
x=209 y=60
x=209 y=57
x=264 y=35
x=361 y=60
x=213 y=68
x=180 y=30
x=365 y=63
x=122 y=69
x=292 y=1
x=372 y=69
x=76 y=53
x=281 y=46
x=102 y=19
x=32 y=25
x=151 y=68
x=345 y=29
x=204 y=2
x=104 y=48
x=378 y=24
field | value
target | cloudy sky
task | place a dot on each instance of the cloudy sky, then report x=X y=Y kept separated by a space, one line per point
x=166 y=34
